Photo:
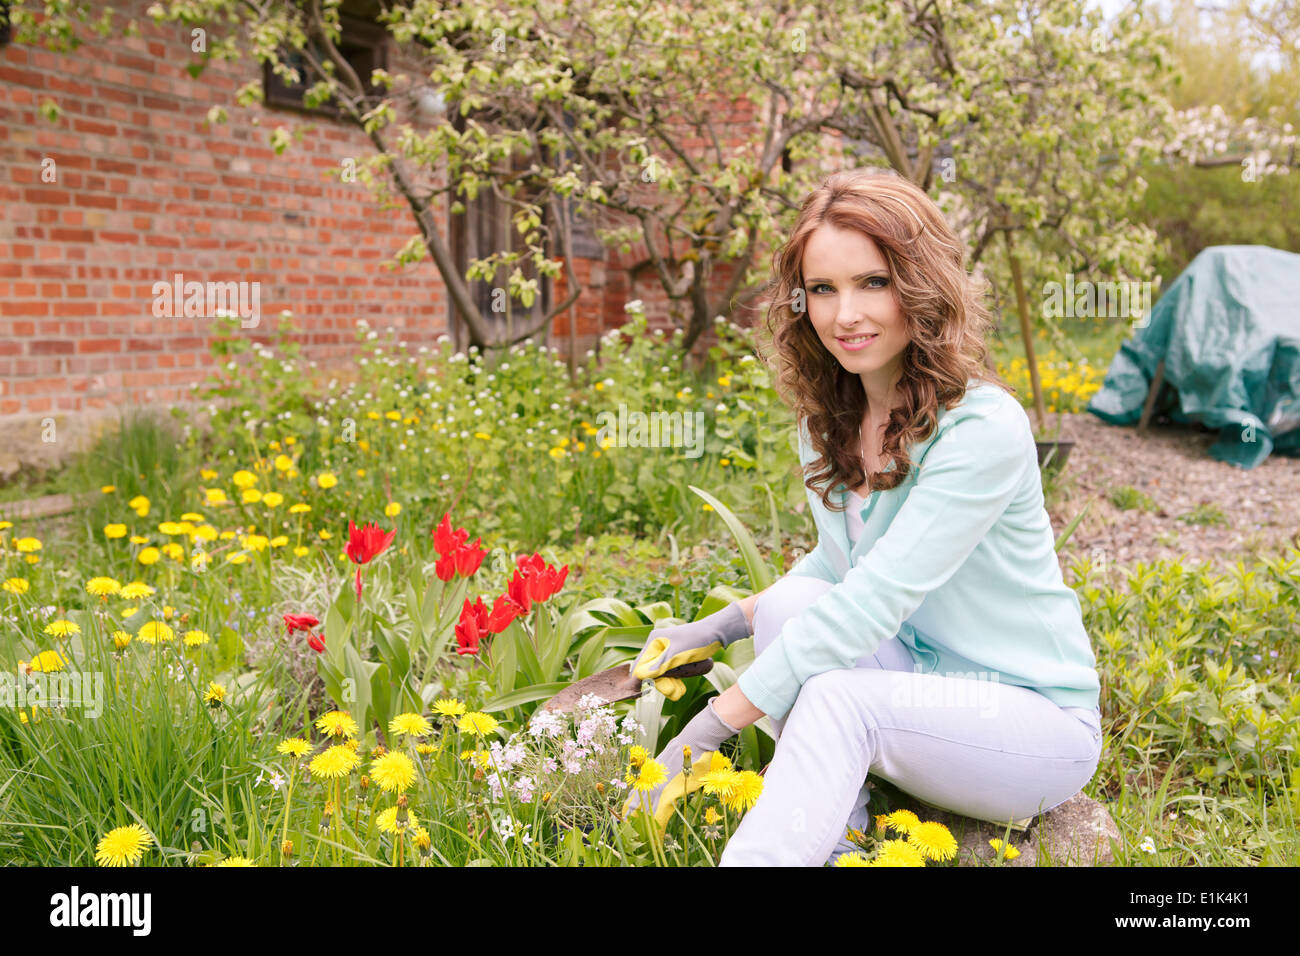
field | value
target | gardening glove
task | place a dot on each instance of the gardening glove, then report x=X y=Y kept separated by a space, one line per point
x=677 y=644
x=703 y=734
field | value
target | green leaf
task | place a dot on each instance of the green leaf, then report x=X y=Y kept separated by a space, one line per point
x=523 y=696
x=760 y=575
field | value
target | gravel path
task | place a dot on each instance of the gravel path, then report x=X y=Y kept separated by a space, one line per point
x=1170 y=464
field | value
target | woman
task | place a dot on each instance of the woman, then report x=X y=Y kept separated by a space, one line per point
x=929 y=638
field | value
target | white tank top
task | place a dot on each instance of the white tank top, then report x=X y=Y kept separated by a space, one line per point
x=853 y=517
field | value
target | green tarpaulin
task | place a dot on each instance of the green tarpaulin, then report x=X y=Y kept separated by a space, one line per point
x=1228 y=329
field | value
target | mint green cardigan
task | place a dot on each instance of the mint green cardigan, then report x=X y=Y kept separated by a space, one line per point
x=958 y=561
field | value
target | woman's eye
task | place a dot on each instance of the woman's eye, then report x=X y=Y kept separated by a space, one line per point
x=881 y=279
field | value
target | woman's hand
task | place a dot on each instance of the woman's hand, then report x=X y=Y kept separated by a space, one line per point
x=669 y=647
x=703 y=735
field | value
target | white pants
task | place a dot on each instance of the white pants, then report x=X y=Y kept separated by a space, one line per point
x=981 y=748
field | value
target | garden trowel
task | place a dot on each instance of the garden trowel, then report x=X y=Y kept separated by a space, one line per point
x=617 y=683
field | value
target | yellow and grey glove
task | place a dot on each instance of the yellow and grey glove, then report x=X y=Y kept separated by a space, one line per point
x=677 y=644
x=704 y=733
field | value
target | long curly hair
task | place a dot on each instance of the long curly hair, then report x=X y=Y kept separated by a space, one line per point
x=944 y=316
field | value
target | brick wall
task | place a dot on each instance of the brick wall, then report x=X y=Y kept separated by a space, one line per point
x=145 y=188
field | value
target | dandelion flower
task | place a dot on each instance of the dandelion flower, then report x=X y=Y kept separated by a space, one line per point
x=155 y=631
x=337 y=723
x=712 y=816
x=746 y=792
x=337 y=761
x=136 y=590
x=421 y=838
x=933 y=840
x=102 y=587
x=411 y=725
x=478 y=723
x=214 y=695
x=650 y=775
x=851 y=859
x=721 y=783
x=149 y=556
x=27 y=545
x=1004 y=850
x=114 y=531
x=294 y=747
x=388 y=822
x=448 y=707
x=123 y=846
x=901 y=821
x=195 y=638
x=16 y=585
x=236 y=861
x=898 y=853
x=637 y=756
x=47 y=662
x=393 y=772
x=62 y=628
x=326 y=480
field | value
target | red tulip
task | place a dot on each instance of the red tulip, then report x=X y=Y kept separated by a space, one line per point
x=472 y=626
x=504 y=610
x=445 y=540
x=468 y=558
x=299 y=622
x=365 y=544
x=316 y=642
x=535 y=581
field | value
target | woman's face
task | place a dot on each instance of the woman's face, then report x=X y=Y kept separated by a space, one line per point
x=850 y=295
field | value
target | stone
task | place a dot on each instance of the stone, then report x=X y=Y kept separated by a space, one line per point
x=1076 y=833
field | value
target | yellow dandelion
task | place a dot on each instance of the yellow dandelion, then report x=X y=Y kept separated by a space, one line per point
x=250 y=496
x=933 y=840
x=898 y=853
x=214 y=695
x=392 y=509
x=637 y=756
x=16 y=585
x=410 y=725
x=448 y=707
x=195 y=638
x=338 y=761
x=478 y=723
x=136 y=590
x=712 y=816
x=102 y=587
x=149 y=556
x=121 y=639
x=901 y=821
x=62 y=629
x=272 y=499
x=326 y=479
x=851 y=859
x=388 y=821
x=123 y=846
x=243 y=479
x=1004 y=850
x=170 y=528
x=337 y=723
x=138 y=539
x=651 y=774
x=214 y=497
x=299 y=508
x=293 y=747
x=155 y=631
x=749 y=786
x=127 y=612
x=47 y=662
x=721 y=783
x=235 y=861
x=393 y=772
